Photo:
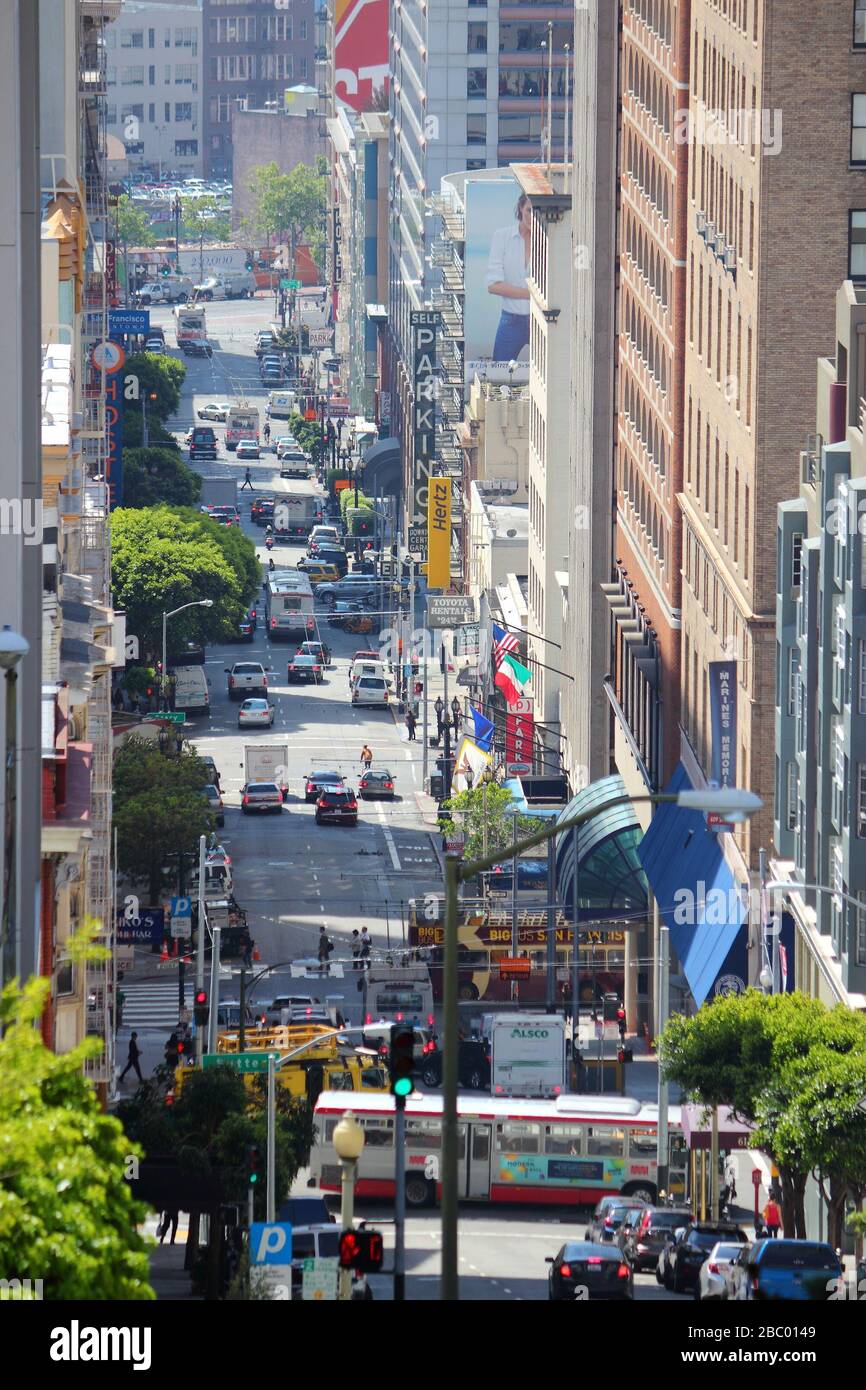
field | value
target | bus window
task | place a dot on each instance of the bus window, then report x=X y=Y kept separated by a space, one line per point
x=423 y=1134
x=563 y=1139
x=378 y=1134
x=330 y=1126
x=678 y=1151
x=642 y=1144
x=518 y=1137
x=481 y=1142
x=602 y=1139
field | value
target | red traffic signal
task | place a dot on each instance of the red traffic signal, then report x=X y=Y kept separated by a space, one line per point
x=362 y=1250
x=201 y=1008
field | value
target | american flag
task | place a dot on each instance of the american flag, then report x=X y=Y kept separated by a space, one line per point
x=503 y=642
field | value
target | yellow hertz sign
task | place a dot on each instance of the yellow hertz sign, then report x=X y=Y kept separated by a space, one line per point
x=439 y=534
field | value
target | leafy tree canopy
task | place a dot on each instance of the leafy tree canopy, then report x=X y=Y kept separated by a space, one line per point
x=133 y=225
x=487 y=808
x=160 y=377
x=158 y=810
x=158 y=475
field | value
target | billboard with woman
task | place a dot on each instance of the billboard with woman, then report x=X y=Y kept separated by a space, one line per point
x=497 y=250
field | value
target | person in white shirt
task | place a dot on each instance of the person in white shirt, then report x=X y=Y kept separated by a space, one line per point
x=506 y=276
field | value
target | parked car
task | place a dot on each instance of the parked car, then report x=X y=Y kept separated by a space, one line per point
x=247 y=449
x=792 y=1271
x=608 y=1217
x=338 y=805
x=246 y=678
x=215 y=411
x=303 y=668
x=211 y=766
x=712 y=1280
x=316 y=782
x=581 y=1265
x=378 y=783
x=215 y=802
x=256 y=714
x=261 y=798
x=370 y=690
x=642 y=1243
x=685 y=1250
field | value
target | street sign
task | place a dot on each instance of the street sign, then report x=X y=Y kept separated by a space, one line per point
x=516 y=769
x=169 y=717
x=467 y=640
x=321 y=337
x=149 y=926
x=515 y=968
x=129 y=320
x=718 y=825
x=320 y=1280
x=455 y=843
x=286 y=284
x=449 y=610
x=181 y=917
x=418 y=541
x=238 y=1061
x=108 y=356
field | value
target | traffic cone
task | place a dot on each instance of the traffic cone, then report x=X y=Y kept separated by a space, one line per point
x=257 y=955
x=163 y=955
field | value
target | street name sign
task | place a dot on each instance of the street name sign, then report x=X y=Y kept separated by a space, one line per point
x=238 y=1061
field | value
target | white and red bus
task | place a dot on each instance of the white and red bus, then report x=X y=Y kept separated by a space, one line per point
x=570 y=1151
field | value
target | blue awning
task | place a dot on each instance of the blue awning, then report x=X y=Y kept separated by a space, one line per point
x=696 y=892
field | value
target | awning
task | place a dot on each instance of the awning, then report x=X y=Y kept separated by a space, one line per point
x=383 y=468
x=696 y=892
x=697 y=1126
x=611 y=882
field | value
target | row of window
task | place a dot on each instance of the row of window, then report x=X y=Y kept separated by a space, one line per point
x=184 y=75
x=657 y=16
x=515 y=1136
x=644 y=338
x=696 y=714
x=538 y=348
x=716 y=486
x=529 y=82
x=724 y=205
x=536 y=513
x=645 y=170
x=247 y=29
x=183 y=111
x=184 y=37
x=538 y=431
x=639 y=500
x=267 y=67
x=645 y=423
x=737 y=11
x=709 y=591
x=536 y=608
x=649 y=89
x=719 y=348
x=646 y=257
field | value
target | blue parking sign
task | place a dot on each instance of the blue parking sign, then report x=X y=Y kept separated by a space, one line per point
x=181 y=907
x=271 y=1243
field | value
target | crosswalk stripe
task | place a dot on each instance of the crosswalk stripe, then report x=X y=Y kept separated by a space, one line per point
x=153 y=1005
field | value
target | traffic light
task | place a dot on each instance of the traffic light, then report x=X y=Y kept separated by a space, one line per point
x=248 y=263
x=401 y=1061
x=361 y=1250
x=252 y=1164
x=165 y=270
x=610 y=1004
x=201 y=1008
x=620 y=1021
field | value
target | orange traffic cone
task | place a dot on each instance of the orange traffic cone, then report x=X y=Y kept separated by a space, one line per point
x=257 y=955
x=163 y=955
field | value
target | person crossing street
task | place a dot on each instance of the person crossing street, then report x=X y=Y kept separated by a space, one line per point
x=411 y=723
x=132 y=1058
x=366 y=758
x=247 y=482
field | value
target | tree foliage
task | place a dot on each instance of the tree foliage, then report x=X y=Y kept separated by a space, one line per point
x=486 y=810
x=67 y=1215
x=291 y=206
x=158 y=810
x=133 y=225
x=157 y=374
x=195 y=221
x=158 y=475
x=162 y=558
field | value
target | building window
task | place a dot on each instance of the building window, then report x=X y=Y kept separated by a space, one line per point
x=796 y=561
x=476 y=82
x=133 y=77
x=859 y=24
x=861 y=801
x=857 y=243
x=133 y=38
x=151 y=112
x=184 y=74
x=793 y=679
x=858 y=128
x=840 y=637
x=476 y=130
x=861 y=927
x=151 y=76
x=183 y=110
x=186 y=148
x=792 y=796
x=861 y=677
x=477 y=38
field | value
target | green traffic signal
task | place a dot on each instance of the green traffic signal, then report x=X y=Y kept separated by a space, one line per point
x=403 y=1086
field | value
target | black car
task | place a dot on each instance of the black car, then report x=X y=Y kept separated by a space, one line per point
x=305 y=1211
x=643 y=1242
x=315 y=782
x=473 y=1064
x=203 y=443
x=245 y=631
x=608 y=1217
x=191 y=654
x=583 y=1271
x=331 y=555
x=262 y=510
x=196 y=347
x=680 y=1262
x=337 y=804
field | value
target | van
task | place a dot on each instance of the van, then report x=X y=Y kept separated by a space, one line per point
x=371 y=668
x=370 y=690
x=190 y=690
x=282 y=404
x=320 y=573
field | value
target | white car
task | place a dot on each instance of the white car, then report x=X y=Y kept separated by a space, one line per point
x=285 y=444
x=255 y=714
x=155 y=345
x=248 y=449
x=217 y=411
x=712 y=1281
x=370 y=690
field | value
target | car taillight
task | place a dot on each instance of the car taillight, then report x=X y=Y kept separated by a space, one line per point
x=430 y=1020
x=231 y=681
x=499 y=1090
x=399 y=1018
x=713 y=1267
x=565 y=1271
x=388 y=785
x=622 y=1272
x=608 y=1221
x=754 y=1282
x=273 y=622
x=556 y=1090
x=310 y=624
x=265 y=682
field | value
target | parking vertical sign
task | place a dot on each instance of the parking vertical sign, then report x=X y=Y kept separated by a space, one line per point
x=271 y=1253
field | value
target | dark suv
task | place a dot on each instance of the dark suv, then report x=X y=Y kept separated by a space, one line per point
x=473 y=1065
x=203 y=444
x=643 y=1242
x=680 y=1262
x=609 y=1215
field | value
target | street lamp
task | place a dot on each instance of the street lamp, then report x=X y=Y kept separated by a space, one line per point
x=13 y=647
x=349 y=1144
x=196 y=603
x=731 y=803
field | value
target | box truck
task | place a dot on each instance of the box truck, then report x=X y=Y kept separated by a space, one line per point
x=267 y=762
x=527 y=1054
x=219 y=492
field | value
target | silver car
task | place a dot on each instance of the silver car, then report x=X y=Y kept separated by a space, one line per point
x=260 y=798
x=712 y=1281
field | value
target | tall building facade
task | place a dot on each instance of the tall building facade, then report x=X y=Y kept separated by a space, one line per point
x=154 y=72
x=758 y=135
x=252 y=52
x=644 y=592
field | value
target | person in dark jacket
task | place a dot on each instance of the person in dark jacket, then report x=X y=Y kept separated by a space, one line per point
x=132 y=1058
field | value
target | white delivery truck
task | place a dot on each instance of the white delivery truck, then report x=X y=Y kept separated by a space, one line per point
x=242 y=422
x=527 y=1055
x=282 y=404
x=219 y=492
x=267 y=762
x=191 y=693
x=296 y=513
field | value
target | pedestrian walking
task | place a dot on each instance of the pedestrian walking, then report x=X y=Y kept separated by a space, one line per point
x=172 y=1051
x=439 y=707
x=325 y=948
x=266 y=432
x=247 y=943
x=411 y=723
x=772 y=1218
x=247 y=482
x=356 y=948
x=366 y=944
x=456 y=714
x=366 y=758
x=132 y=1057
x=168 y=1218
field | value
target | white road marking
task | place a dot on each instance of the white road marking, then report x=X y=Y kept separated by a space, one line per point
x=389 y=838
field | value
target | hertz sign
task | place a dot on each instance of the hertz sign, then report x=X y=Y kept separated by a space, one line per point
x=439 y=533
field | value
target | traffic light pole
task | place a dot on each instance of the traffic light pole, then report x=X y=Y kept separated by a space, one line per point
x=270 y=1203
x=199 y=954
x=399 y=1199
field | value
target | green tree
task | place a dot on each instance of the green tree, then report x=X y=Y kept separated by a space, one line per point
x=158 y=475
x=159 y=811
x=291 y=206
x=485 y=815
x=160 y=377
x=202 y=217
x=163 y=558
x=133 y=227
x=67 y=1215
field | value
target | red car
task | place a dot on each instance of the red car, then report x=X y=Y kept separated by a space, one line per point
x=337 y=804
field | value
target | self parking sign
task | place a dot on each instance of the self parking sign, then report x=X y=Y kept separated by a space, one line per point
x=271 y=1243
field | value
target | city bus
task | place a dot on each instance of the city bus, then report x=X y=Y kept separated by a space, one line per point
x=289 y=609
x=484 y=938
x=190 y=321
x=570 y=1151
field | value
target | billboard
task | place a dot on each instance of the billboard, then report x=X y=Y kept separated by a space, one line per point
x=439 y=533
x=425 y=324
x=496 y=309
x=360 y=51
x=520 y=733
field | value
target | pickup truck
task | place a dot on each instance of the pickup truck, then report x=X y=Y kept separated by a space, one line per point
x=246 y=679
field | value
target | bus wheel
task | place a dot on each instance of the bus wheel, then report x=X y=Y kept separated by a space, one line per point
x=467 y=992
x=644 y=1191
x=419 y=1192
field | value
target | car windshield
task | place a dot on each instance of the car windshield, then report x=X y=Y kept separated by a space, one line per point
x=338 y=796
x=325 y=777
x=728 y=1252
x=257 y=788
x=247 y=668
x=667 y=1220
x=254 y=705
x=705 y=1240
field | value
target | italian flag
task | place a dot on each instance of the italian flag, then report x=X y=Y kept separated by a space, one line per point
x=512 y=679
